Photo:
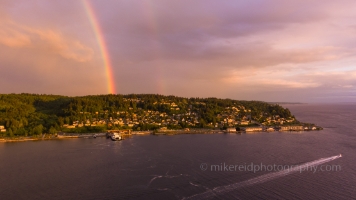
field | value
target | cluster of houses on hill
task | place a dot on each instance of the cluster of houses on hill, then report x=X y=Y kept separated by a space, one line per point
x=276 y=119
x=129 y=119
x=230 y=117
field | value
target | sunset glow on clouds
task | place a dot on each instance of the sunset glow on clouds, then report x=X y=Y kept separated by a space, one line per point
x=254 y=50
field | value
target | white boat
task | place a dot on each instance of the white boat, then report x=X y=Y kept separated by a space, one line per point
x=116 y=136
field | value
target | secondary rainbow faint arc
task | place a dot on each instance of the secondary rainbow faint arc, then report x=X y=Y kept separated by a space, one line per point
x=102 y=45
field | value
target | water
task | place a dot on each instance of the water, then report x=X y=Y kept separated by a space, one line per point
x=169 y=167
x=219 y=191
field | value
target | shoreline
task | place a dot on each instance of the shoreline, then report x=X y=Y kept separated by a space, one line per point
x=136 y=133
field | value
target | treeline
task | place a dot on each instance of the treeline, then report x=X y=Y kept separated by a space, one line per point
x=35 y=114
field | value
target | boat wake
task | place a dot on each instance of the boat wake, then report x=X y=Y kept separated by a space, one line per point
x=164 y=176
x=261 y=179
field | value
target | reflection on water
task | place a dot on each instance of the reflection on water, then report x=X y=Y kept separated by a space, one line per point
x=161 y=167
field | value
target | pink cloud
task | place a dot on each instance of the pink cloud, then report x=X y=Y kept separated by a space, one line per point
x=16 y=35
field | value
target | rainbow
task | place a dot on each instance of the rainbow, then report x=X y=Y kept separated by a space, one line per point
x=102 y=45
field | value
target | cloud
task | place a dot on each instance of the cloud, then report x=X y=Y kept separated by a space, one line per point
x=12 y=38
x=47 y=60
x=287 y=83
x=68 y=48
x=16 y=35
x=273 y=50
x=228 y=34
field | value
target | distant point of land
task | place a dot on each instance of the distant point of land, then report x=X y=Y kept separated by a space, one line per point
x=41 y=115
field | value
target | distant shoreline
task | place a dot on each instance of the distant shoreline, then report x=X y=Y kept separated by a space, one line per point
x=136 y=133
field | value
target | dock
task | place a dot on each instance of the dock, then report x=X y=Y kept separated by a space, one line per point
x=125 y=133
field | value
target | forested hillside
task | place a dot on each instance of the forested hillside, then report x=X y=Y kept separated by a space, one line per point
x=33 y=114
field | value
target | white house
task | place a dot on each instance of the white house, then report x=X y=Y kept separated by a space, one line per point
x=252 y=129
x=229 y=130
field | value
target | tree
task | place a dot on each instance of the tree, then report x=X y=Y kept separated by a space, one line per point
x=67 y=120
x=60 y=121
x=38 y=130
x=21 y=132
x=52 y=130
x=11 y=134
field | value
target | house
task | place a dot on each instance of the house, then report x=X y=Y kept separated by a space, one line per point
x=292 y=128
x=2 y=127
x=270 y=129
x=252 y=129
x=163 y=129
x=244 y=123
x=229 y=130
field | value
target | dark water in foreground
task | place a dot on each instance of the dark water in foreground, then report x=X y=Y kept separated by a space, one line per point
x=168 y=167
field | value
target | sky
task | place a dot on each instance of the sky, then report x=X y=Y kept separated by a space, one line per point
x=268 y=50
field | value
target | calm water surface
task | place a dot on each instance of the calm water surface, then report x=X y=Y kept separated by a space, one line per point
x=168 y=167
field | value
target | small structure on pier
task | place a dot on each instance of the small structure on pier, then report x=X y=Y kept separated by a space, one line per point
x=231 y=130
x=124 y=133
